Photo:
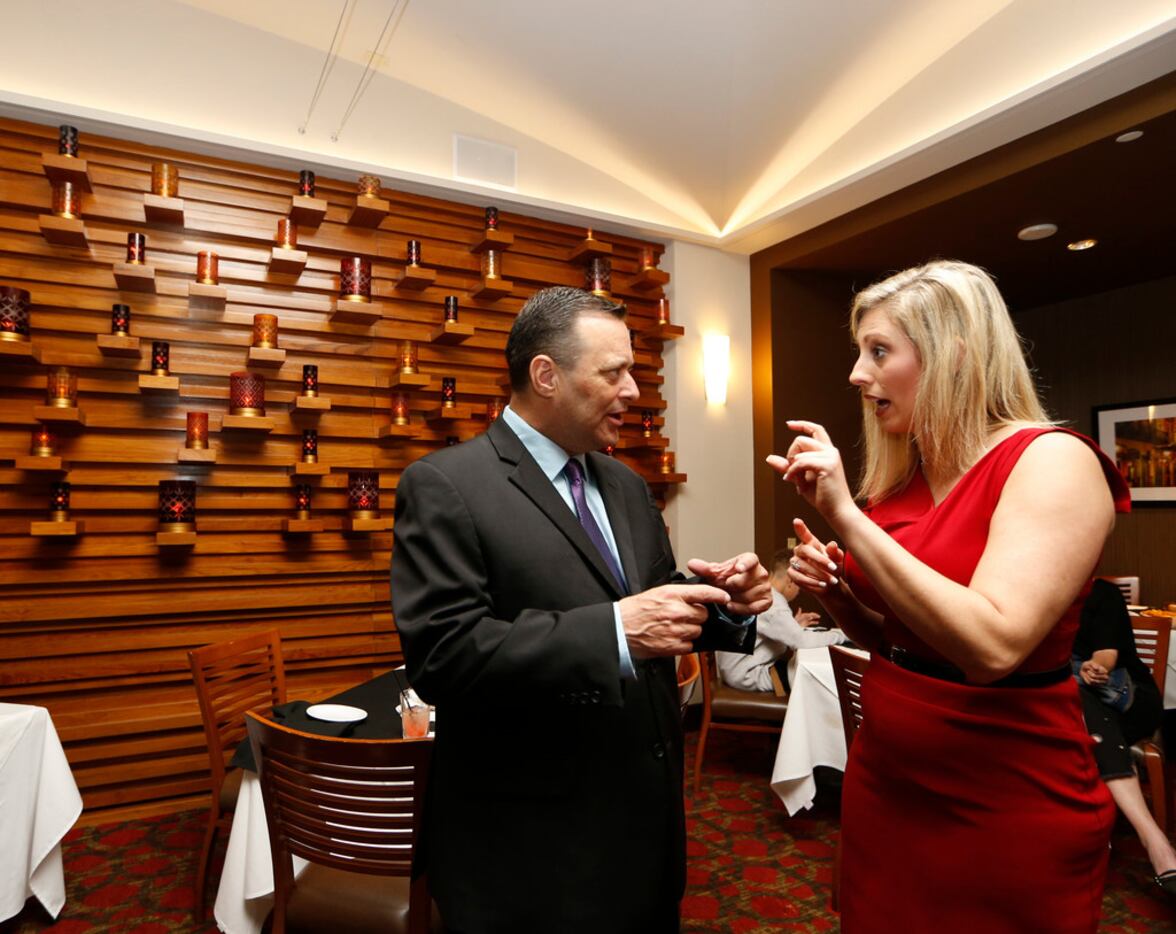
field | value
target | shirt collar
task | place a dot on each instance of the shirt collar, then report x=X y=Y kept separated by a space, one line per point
x=550 y=457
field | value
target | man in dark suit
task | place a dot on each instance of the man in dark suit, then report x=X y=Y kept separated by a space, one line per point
x=538 y=610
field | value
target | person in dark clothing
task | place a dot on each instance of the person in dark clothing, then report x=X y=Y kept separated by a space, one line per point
x=1122 y=705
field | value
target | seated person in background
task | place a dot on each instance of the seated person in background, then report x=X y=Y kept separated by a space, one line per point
x=778 y=634
x=1121 y=705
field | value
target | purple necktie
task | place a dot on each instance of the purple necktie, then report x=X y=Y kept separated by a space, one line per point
x=576 y=476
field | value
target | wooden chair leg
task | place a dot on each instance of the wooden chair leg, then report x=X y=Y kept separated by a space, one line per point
x=1153 y=761
x=206 y=858
x=698 y=753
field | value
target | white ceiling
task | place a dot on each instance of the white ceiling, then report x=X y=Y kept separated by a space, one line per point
x=735 y=123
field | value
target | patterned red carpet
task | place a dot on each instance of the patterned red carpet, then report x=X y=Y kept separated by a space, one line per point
x=752 y=868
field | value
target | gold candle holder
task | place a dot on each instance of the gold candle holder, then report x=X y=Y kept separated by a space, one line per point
x=61 y=385
x=265 y=331
x=207 y=268
x=368 y=186
x=287 y=235
x=165 y=180
x=67 y=200
x=408 y=357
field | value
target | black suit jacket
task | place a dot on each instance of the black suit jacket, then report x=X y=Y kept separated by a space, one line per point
x=556 y=790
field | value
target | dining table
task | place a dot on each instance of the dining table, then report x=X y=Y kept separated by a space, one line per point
x=39 y=803
x=244 y=895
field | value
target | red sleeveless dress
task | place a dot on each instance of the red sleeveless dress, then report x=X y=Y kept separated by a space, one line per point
x=968 y=808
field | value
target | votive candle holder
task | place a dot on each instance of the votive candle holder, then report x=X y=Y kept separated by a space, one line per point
x=136 y=249
x=492 y=264
x=368 y=186
x=59 y=501
x=598 y=276
x=451 y=309
x=177 y=505
x=160 y=357
x=408 y=357
x=67 y=140
x=14 y=313
x=120 y=320
x=663 y=311
x=493 y=410
x=647 y=424
x=287 y=235
x=61 y=388
x=306 y=183
x=196 y=435
x=449 y=391
x=363 y=494
x=43 y=443
x=666 y=462
x=207 y=268
x=67 y=200
x=400 y=411
x=355 y=279
x=165 y=180
x=246 y=393
x=648 y=258
x=414 y=252
x=265 y=331
x=309 y=446
x=491 y=218
x=303 y=494
x=310 y=380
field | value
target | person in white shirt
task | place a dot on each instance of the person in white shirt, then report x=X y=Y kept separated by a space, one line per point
x=778 y=634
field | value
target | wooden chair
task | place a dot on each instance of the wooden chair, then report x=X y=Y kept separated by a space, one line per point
x=1129 y=586
x=726 y=708
x=231 y=678
x=352 y=808
x=849 y=668
x=688 y=671
x=1152 y=635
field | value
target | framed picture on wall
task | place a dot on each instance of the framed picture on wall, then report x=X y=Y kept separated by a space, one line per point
x=1140 y=437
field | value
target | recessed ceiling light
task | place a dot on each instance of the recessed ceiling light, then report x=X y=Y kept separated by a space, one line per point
x=1081 y=245
x=1129 y=137
x=1037 y=231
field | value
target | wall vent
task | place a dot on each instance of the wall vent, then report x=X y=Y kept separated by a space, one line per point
x=478 y=160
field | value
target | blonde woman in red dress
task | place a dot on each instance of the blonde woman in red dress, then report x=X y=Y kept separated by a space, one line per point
x=971 y=799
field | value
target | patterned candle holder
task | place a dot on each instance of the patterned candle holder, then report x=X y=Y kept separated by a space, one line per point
x=309 y=380
x=160 y=357
x=663 y=311
x=67 y=200
x=306 y=183
x=400 y=412
x=493 y=411
x=451 y=309
x=43 y=443
x=648 y=258
x=368 y=186
x=303 y=492
x=492 y=264
x=177 y=506
x=246 y=394
x=265 y=331
x=120 y=320
x=14 y=314
x=355 y=279
x=196 y=436
x=598 y=276
x=666 y=462
x=491 y=218
x=207 y=268
x=136 y=249
x=449 y=392
x=67 y=140
x=287 y=235
x=59 y=501
x=647 y=424
x=309 y=446
x=414 y=252
x=165 y=180
x=408 y=357
x=363 y=494
x=61 y=388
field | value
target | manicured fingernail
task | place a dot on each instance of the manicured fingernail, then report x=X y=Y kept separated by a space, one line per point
x=822 y=583
x=833 y=580
x=832 y=566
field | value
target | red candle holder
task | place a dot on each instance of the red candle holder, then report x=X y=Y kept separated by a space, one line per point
x=355 y=279
x=309 y=446
x=67 y=140
x=663 y=311
x=67 y=200
x=306 y=183
x=449 y=391
x=177 y=506
x=493 y=410
x=207 y=268
x=310 y=380
x=59 y=501
x=414 y=252
x=287 y=236
x=246 y=394
x=368 y=186
x=610 y=449
x=165 y=180
x=647 y=424
x=491 y=218
x=120 y=320
x=265 y=331
x=196 y=437
x=451 y=309
x=14 y=314
x=303 y=493
x=598 y=276
x=648 y=259
x=666 y=462
x=43 y=443
x=160 y=357
x=400 y=413
x=492 y=264
x=61 y=385
x=363 y=494
x=136 y=249
x=408 y=357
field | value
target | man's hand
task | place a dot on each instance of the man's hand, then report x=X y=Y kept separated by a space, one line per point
x=743 y=578
x=807 y=618
x=666 y=620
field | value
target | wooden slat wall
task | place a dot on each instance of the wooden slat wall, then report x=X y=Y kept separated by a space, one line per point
x=96 y=628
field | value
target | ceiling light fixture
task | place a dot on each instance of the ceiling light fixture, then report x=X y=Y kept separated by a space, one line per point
x=1037 y=231
x=1129 y=137
x=1081 y=245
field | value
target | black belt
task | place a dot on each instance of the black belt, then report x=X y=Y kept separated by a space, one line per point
x=945 y=672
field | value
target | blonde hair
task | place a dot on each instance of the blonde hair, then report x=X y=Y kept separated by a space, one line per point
x=973 y=377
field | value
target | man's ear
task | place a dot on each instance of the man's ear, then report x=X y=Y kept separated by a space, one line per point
x=544 y=375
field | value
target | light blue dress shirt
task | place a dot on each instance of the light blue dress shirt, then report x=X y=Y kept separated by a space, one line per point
x=552 y=459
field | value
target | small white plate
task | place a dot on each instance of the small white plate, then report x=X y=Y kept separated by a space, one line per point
x=336 y=713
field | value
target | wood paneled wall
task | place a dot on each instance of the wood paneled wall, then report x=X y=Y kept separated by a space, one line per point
x=96 y=627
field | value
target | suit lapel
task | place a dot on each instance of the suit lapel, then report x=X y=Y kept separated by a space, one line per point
x=618 y=517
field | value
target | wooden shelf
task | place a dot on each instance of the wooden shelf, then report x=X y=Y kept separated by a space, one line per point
x=36 y=462
x=261 y=424
x=364 y=313
x=134 y=277
x=118 y=345
x=63 y=231
x=378 y=524
x=385 y=432
x=54 y=529
x=59 y=168
x=149 y=382
x=451 y=332
x=589 y=248
x=368 y=211
x=52 y=413
x=202 y=297
x=408 y=381
x=492 y=289
x=304 y=469
x=287 y=262
x=664 y=478
x=302 y=526
x=441 y=417
x=641 y=443
x=267 y=356
x=175 y=539
x=649 y=278
x=312 y=403
x=19 y=350
x=662 y=332
x=196 y=456
x=416 y=278
x=161 y=210
x=493 y=240
x=307 y=212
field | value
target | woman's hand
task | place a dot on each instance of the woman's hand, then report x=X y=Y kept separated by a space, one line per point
x=814 y=466
x=815 y=567
x=1093 y=673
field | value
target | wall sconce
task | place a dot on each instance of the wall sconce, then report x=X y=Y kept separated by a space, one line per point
x=716 y=367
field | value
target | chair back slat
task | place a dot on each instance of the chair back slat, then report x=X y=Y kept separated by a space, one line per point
x=1152 y=636
x=1128 y=586
x=849 y=668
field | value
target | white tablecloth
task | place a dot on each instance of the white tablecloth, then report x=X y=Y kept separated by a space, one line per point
x=1170 y=680
x=39 y=802
x=812 y=734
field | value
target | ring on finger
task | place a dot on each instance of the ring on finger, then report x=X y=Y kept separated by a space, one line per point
x=795 y=564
